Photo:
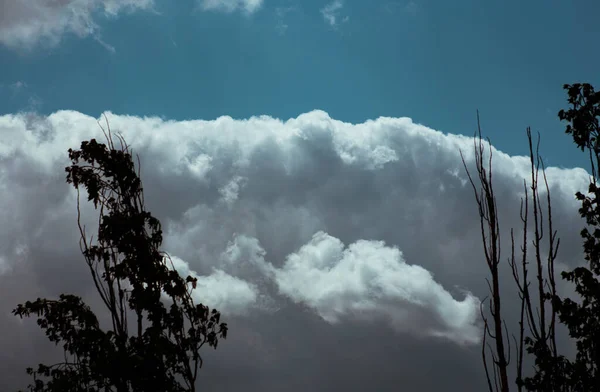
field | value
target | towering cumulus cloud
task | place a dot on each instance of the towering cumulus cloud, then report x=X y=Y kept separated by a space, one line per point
x=351 y=227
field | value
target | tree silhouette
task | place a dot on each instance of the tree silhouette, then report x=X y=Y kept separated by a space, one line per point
x=582 y=317
x=541 y=306
x=537 y=320
x=157 y=330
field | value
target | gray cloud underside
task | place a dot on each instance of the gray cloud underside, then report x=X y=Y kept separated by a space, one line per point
x=346 y=256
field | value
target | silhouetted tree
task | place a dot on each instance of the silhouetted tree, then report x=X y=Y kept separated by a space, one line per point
x=490 y=231
x=157 y=330
x=537 y=321
x=552 y=372
x=582 y=316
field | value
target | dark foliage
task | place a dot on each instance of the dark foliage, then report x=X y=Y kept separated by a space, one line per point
x=582 y=317
x=137 y=282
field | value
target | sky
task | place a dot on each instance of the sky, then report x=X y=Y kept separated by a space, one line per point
x=304 y=159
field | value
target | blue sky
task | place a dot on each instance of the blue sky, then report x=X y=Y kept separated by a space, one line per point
x=435 y=61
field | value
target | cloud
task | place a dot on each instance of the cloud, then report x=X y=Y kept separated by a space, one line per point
x=28 y=23
x=365 y=281
x=249 y=6
x=368 y=279
x=331 y=13
x=230 y=192
x=323 y=242
x=219 y=289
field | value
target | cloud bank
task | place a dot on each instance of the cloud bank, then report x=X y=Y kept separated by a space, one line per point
x=326 y=231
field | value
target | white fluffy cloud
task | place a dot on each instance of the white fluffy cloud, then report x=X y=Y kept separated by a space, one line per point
x=26 y=23
x=219 y=289
x=362 y=227
x=367 y=280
